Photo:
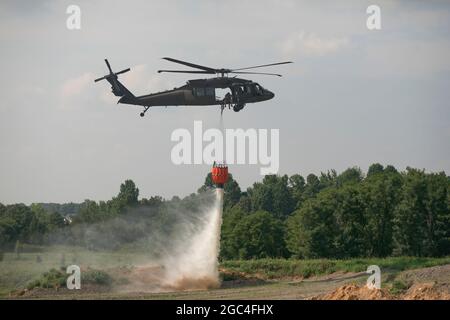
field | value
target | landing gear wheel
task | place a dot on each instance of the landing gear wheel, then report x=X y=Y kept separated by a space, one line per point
x=238 y=107
x=142 y=114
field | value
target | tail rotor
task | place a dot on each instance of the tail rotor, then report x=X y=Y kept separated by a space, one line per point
x=111 y=74
x=117 y=88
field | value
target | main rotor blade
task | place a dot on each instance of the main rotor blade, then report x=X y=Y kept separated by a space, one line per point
x=263 y=73
x=192 y=65
x=123 y=71
x=187 y=71
x=263 y=65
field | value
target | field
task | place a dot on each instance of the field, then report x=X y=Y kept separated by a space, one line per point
x=128 y=275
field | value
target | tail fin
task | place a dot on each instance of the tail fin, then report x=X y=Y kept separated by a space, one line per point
x=118 y=88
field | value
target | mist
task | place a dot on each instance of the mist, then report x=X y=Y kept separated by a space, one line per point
x=150 y=249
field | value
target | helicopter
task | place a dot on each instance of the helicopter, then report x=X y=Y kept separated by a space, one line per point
x=197 y=92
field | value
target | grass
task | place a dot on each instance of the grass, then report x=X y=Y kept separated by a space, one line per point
x=279 y=268
x=18 y=273
x=399 y=287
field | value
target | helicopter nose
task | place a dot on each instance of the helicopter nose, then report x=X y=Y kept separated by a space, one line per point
x=270 y=94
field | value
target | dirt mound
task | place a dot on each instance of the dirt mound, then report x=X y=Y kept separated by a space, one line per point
x=439 y=274
x=354 y=292
x=419 y=291
x=427 y=291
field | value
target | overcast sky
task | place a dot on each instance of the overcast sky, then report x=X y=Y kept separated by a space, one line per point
x=352 y=98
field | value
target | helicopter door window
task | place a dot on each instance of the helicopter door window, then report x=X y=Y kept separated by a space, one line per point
x=199 y=92
x=210 y=92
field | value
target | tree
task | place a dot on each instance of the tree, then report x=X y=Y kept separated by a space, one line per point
x=155 y=202
x=229 y=247
x=330 y=225
x=328 y=179
x=422 y=216
x=257 y=235
x=272 y=195
x=381 y=194
x=129 y=193
x=312 y=230
x=297 y=184
x=89 y=212
x=351 y=175
x=18 y=220
x=374 y=169
x=351 y=219
x=244 y=204
x=312 y=185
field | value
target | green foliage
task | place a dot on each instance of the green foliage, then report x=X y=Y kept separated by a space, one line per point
x=256 y=235
x=399 y=287
x=99 y=277
x=423 y=214
x=326 y=216
x=51 y=279
x=381 y=192
x=129 y=193
x=385 y=213
x=278 y=268
x=273 y=195
x=58 y=278
x=64 y=209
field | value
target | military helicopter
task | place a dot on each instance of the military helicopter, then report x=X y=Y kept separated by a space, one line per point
x=197 y=92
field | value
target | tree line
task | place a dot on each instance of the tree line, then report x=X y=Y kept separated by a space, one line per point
x=381 y=213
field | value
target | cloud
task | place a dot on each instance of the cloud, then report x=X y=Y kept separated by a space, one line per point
x=76 y=86
x=312 y=44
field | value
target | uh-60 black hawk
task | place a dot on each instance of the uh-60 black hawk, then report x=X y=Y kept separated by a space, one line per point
x=198 y=92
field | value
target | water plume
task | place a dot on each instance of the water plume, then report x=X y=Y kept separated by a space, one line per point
x=194 y=265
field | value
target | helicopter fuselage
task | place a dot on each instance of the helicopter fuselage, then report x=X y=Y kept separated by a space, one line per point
x=202 y=92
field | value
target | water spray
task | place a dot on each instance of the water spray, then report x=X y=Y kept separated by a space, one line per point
x=194 y=264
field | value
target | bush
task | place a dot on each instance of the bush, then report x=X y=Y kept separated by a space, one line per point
x=51 y=279
x=96 y=277
x=399 y=287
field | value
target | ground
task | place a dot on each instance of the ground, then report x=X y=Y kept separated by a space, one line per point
x=133 y=278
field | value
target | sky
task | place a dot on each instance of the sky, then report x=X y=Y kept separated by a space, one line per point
x=353 y=96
